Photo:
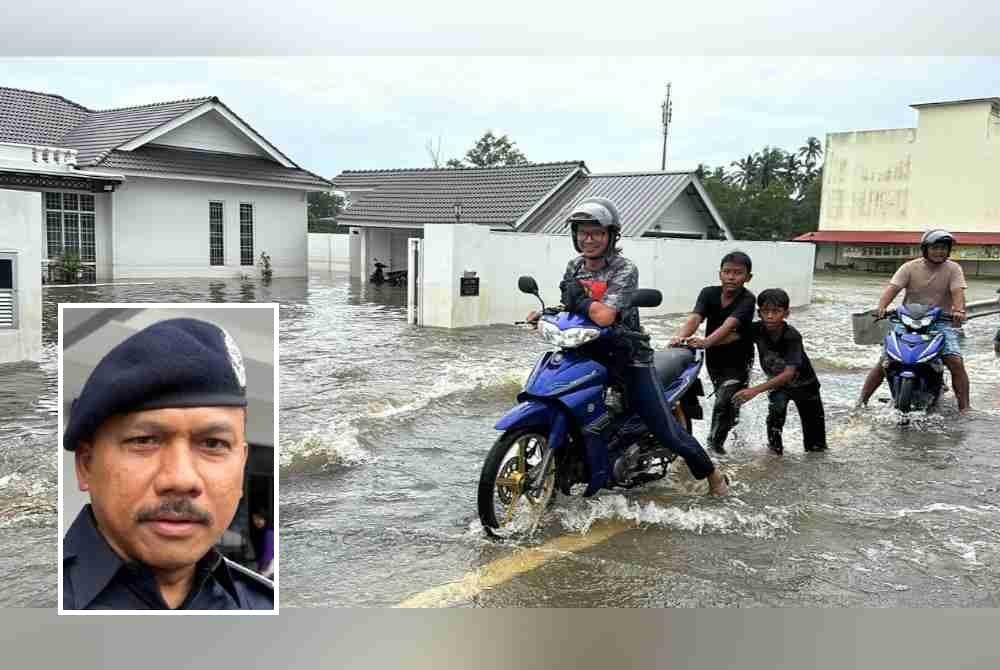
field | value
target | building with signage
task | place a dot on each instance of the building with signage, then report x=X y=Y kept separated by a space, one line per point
x=883 y=188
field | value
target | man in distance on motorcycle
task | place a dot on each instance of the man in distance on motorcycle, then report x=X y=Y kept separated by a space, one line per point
x=597 y=284
x=936 y=281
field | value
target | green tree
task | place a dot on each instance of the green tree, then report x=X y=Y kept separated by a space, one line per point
x=810 y=152
x=491 y=151
x=324 y=205
x=768 y=195
x=746 y=170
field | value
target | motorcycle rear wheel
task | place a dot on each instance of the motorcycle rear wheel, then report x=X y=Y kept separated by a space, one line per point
x=506 y=507
x=904 y=401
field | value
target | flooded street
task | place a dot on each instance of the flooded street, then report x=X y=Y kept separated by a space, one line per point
x=384 y=428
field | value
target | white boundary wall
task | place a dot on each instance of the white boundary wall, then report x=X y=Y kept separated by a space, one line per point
x=21 y=234
x=679 y=268
x=329 y=251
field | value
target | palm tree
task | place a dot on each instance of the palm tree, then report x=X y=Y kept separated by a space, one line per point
x=768 y=165
x=790 y=171
x=810 y=152
x=746 y=170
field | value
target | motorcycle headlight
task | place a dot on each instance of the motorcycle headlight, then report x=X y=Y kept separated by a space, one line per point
x=570 y=338
x=926 y=321
x=908 y=322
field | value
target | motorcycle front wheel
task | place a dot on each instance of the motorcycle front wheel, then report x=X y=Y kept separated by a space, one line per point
x=905 y=398
x=508 y=503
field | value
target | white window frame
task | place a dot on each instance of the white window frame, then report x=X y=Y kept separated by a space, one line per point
x=222 y=223
x=62 y=212
x=253 y=230
x=11 y=293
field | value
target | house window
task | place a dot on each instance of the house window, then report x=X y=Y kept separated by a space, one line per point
x=8 y=290
x=215 y=234
x=69 y=229
x=246 y=233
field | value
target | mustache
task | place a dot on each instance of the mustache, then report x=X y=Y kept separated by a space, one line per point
x=177 y=509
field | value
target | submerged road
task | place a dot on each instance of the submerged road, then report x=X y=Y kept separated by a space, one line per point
x=384 y=431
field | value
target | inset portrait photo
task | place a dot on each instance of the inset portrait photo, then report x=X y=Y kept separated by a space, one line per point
x=168 y=483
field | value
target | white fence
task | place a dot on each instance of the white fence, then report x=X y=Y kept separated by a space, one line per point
x=329 y=251
x=678 y=268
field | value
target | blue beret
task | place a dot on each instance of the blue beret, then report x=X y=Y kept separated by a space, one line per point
x=172 y=363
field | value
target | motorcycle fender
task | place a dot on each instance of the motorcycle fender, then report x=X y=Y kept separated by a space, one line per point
x=528 y=413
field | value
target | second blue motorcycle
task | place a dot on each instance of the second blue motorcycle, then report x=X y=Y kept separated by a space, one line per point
x=914 y=369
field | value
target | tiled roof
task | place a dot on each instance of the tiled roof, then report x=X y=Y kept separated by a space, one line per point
x=641 y=199
x=224 y=166
x=495 y=196
x=28 y=117
x=101 y=132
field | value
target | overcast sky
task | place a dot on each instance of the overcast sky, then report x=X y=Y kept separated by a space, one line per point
x=337 y=113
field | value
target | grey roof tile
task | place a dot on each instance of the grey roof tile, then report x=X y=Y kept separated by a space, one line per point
x=103 y=131
x=641 y=198
x=496 y=196
x=29 y=117
x=224 y=166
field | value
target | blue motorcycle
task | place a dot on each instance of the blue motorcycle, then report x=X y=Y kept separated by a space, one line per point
x=914 y=369
x=542 y=446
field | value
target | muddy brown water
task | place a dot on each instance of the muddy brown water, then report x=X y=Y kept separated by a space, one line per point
x=385 y=426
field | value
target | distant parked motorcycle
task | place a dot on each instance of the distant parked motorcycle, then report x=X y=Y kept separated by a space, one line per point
x=378 y=277
x=542 y=447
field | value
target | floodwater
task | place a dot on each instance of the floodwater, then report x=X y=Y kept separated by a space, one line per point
x=384 y=428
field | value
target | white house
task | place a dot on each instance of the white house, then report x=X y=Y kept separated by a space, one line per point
x=389 y=206
x=173 y=189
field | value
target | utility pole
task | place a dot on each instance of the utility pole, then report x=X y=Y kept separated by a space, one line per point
x=668 y=112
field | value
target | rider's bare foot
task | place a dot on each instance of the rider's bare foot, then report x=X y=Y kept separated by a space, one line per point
x=718 y=484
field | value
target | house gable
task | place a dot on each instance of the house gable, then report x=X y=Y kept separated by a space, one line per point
x=210 y=132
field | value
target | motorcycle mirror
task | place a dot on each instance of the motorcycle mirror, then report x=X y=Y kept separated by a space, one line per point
x=646 y=297
x=527 y=284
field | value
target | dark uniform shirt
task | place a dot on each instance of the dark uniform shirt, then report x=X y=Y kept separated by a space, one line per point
x=777 y=353
x=734 y=359
x=95 y=577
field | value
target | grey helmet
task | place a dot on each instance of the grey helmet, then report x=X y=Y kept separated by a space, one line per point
x=934 y=237
x=602 y=212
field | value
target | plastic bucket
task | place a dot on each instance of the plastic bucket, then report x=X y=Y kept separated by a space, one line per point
x=867 y=330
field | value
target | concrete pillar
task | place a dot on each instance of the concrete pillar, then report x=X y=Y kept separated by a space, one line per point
x=452 y=252
x=21 y=246
x=354 y=247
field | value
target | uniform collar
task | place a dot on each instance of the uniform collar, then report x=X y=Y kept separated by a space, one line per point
x=95 y=564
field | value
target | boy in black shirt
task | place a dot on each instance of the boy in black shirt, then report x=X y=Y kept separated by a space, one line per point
x=728 y=310
x=790 y=374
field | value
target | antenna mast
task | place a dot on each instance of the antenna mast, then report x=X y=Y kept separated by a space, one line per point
x=668 y=111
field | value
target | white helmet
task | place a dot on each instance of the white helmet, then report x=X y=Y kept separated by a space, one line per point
x=600 y=211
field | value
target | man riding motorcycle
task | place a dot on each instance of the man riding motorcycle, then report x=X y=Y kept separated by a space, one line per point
x=597 y=284
x=935 y=281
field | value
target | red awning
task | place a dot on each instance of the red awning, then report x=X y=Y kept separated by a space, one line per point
x=890 y=237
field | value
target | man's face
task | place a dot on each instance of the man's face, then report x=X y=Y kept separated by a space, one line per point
x=592 y=238
x=733 y=276
x=164 y=484
x=938 y=252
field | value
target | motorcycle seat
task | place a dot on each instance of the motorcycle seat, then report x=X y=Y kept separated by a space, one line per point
x=671 y=363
